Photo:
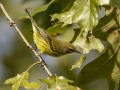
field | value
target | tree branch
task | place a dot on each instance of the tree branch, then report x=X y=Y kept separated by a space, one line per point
x=12 y=23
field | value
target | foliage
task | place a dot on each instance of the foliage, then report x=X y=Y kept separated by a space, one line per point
x=79 y=62
x=21 y=80
x=59 y=83
x=92 y=32
x=106 y=65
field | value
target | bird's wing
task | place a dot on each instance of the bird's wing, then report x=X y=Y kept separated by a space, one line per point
x=47 y=37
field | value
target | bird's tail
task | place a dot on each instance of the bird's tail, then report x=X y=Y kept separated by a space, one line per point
x=32 y=20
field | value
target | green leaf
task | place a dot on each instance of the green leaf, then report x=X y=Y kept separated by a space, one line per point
x=87 y=44
x=85 y=13
x=42 y=8
x=22 y=80
x=107 y=64
x=79 y=62
x=115 y=3
x=65 y=4
x=58 y=83
x=82 y=12
x=77 y=31
x=56 y=29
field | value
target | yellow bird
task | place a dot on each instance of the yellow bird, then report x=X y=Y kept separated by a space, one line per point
x=48 y=44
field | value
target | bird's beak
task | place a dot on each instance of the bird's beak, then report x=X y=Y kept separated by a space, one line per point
x=77 y=51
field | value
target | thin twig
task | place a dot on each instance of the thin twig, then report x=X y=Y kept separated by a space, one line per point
x=12 y=23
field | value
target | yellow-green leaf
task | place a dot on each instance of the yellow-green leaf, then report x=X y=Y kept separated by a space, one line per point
x=86 y=44
x=59 y=83
x=107 y=64
x=79 y=62
x=85 y=14
x=22 y=80
x=56 y=29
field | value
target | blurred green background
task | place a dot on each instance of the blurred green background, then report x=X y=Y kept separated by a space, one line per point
x=15 y=57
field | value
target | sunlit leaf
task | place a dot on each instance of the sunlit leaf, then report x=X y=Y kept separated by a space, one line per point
x=22 y=80
x=85 y=13
x=59 y=83
x=87 y=44
x=82 y=12
x=107 y=64
x=79 y=62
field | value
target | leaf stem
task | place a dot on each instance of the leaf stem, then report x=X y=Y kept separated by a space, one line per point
x=32 y=66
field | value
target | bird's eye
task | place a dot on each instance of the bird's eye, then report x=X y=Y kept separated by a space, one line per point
x=70 y=50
